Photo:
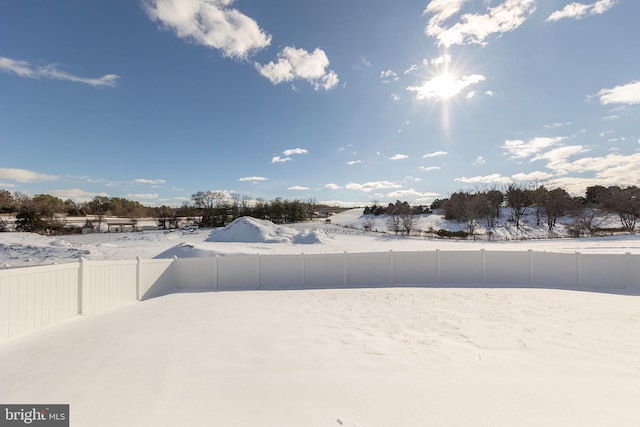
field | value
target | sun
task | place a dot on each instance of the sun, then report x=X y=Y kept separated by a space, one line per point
x=442 y=87
x=445 y=86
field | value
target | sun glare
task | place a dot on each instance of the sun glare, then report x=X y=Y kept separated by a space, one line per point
x=445 y=86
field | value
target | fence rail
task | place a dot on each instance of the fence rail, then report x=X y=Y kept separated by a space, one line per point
x=35 y=297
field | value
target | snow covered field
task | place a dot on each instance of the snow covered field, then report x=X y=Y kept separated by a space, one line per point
x=331 y=357
x=24 y=249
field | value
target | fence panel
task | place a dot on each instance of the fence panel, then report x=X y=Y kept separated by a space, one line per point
x=239 y=272
x=554 y=270
x=369 y=269
x=460 y=267
x=196 y=273
x=156 y=278
x=34 y=297
x=603 y=271
x=507 y=268
x=324 y=270
x=414 y=268
x=108 y=284
x=281 y=271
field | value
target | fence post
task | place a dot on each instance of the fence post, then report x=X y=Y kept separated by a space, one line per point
x=174 y=272
x=82 y=278
x=438 y=278
x=138 y=277
x=216 y=285
x=483 y=266
x=259 y=278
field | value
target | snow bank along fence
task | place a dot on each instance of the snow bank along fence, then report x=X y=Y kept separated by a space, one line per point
x=34 y=297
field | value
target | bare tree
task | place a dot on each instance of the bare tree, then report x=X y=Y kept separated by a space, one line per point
x=401 y=218
x=518 y=201
x=409 y=222
x=368 y=224
x=587 y=220
x=624 y=202
x=555 y=204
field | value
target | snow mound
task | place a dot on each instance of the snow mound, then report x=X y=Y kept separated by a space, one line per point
x=309 y=237
x=252 y=230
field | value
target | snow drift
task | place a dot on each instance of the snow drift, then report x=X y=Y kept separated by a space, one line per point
x=252 y=230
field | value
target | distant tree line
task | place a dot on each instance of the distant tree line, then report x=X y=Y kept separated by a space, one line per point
x=217 y=209
x=548 y=205
x=587 y=212
x=46 y=214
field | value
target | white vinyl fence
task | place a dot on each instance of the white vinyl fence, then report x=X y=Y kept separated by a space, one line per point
x=34 y=297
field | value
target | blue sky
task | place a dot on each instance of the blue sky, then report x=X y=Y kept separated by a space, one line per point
x=338 y=101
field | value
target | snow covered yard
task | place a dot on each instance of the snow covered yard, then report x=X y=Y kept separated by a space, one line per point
x=353 y=357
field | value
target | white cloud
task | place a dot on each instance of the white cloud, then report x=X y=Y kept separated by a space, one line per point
x=557 y=125
x=519 y=149
x=253 y=179
x=278 y=159
x=293 y=151
x=535 y=176
x=429 y=168
x=147 y=196
x=444 y=86
x=557 y=158
x=413 y=67
x=50 y=71
x=299 y=64
x=395 y=97
x=480 y=161
x=25 y=176
x=372 y=186
x=213 y=23
x=577 y=10
x=388 y=76
x=150 y=181
x=210 y=23
x=354 y=162
x=399 y=157
x=625 y=94
x=613 y=169
x=495 y=178
x=76 y=194
x=411 y=193
x=440 y=60
x=475 y=28
x=4 y=185
x=297 y=188
x=470 y=94
x=435 y=154
x=332 y=186
x=288 y=153
x=489 y=93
